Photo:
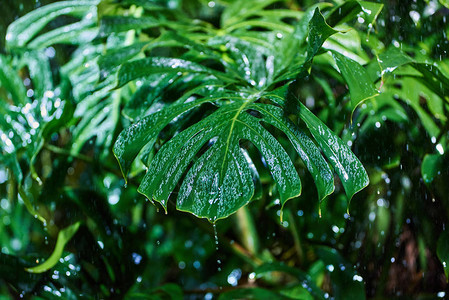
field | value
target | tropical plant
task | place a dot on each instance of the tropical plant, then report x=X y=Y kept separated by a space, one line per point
x=217 y=109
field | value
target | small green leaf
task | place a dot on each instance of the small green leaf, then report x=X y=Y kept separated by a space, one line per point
x=319 y=31
x=432 y=164
x=443 y=252
x=350 y=9
x=63 y=237
x=360 y=86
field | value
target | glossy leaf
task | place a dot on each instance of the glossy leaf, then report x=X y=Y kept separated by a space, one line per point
x=350 y=170
x=114 y=24
x=431 y=166
x=319 y=31
x=21 y=31
x=152 y=65
x=64 y=237
x=210 y=188
x=360 y=86
x=350 y=9
x=72 y=34
x=304 y=146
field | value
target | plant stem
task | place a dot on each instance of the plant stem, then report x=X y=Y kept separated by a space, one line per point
x=296 y=238
x=63 y=151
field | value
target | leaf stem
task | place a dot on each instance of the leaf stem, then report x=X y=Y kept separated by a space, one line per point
x=66 y=152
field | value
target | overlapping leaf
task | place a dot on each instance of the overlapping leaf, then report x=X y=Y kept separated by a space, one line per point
x=207 y=159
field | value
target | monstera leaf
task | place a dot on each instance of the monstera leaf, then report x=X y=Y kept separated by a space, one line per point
x=216 y=174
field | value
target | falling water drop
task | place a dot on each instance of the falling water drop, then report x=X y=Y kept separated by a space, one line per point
x=216 y=246
x=215 y=236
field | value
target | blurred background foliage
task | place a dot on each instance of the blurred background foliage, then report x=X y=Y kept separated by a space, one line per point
x=60 y=118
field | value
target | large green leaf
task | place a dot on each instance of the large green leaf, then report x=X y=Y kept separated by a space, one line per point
x=220 y=181
x=207 y=160
x=210 y=188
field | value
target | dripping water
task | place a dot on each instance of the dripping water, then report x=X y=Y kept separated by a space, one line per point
x=216 y=246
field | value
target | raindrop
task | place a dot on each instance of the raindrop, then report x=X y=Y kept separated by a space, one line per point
x=50 y=52
x=335 y=229
x=137 y=258
x=196 y=264
x=219 y=265
x=215 y=236
x=182 y=265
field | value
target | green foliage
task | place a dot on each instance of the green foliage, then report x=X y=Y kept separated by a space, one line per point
x=225 y=110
